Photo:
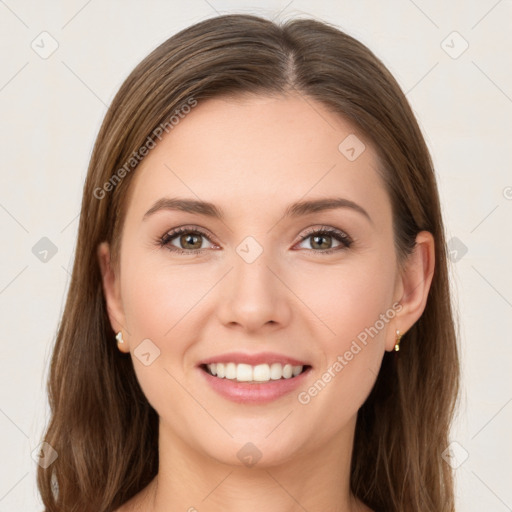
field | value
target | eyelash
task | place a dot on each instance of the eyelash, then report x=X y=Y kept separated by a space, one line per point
x=340 y=236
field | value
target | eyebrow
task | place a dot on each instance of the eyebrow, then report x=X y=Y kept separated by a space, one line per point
x=294 y=210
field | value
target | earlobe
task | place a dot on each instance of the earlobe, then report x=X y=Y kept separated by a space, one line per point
x=414 y=284
x=111 y=291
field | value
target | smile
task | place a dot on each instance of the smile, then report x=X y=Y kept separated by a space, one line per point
x=249 y=373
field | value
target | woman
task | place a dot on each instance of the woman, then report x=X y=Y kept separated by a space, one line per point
x=259 y=313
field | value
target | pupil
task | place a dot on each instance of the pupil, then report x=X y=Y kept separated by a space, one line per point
x=189 y=239
x=320 y=237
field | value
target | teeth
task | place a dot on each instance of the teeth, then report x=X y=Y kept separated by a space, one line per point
x=261 y=373
x=258 y=373
x=231 y=372
x=243 y=372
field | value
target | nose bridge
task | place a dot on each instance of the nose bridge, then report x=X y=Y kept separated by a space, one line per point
x=251 y=275
x=255 y=296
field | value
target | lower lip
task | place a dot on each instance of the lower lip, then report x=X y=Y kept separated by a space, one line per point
x=260 y=393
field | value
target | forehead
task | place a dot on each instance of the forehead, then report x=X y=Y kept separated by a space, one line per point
x=257 y=151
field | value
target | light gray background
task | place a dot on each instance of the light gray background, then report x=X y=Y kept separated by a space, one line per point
x=51 y=109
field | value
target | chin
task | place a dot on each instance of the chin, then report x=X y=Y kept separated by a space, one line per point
x=255 y=451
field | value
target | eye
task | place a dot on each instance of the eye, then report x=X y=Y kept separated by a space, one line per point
x=322 y=239
x=190 y=240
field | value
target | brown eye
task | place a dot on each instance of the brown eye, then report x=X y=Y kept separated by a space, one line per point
x=322 y=240
x=189 y=241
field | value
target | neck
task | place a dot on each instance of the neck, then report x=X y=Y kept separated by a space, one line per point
x=314 y=479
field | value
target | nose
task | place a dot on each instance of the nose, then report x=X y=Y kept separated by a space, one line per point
x=254 y=296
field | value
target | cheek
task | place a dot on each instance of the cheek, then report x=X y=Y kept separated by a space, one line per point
x=156 y=301
x=354 y=304
x=347 y=298
x=158 y=298
x=163 y=303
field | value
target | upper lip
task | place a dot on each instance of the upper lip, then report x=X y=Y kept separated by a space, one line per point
x=253 y=359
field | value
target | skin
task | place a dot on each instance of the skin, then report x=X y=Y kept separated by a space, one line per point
x=252 y=157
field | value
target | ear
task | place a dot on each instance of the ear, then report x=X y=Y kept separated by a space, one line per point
x=413 y=285
x=111 y=290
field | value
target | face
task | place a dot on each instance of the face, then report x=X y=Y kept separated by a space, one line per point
x=310 y=286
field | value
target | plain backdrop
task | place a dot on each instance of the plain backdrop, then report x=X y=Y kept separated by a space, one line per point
x=451 y=59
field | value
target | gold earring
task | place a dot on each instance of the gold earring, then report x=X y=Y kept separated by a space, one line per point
x=119 y=337
x=398 y=338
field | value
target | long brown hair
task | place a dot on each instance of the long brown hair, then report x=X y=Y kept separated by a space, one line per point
x=102 y=427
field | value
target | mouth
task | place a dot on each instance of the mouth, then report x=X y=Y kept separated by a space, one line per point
x=257 y=374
